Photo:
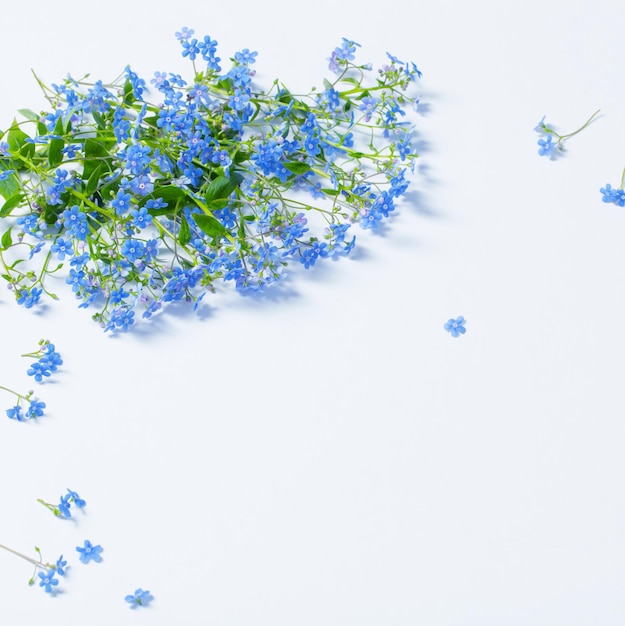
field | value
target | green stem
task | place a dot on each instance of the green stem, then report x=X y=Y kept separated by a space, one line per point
x=19 y=395
x=579 y=130
x=27 y=558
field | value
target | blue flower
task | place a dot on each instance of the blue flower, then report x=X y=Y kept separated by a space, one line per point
x=616 y=196
x=60 y=566
x=35 y=409
x=63 y=507
x=38 y=370
x=121 y=204
x=456 y=326
x=48 y=581
x=76 y=499
x=15 y=413
x=62 y=247
x=139 y=598
x=51 y=358
x=29 y=298
x=546 y=146
x=89 y=552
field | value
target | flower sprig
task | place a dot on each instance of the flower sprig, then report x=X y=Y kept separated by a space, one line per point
x=48 y=361
x=547 y=146
x=140 y=202
x=614 y=195
x=62 y=509
x=47 y=572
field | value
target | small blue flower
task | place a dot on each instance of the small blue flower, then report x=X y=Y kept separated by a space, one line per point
x=51 y=358
x=76 y=499
x=48 y=581
x=89 y=552
x=60 y=566
x=139 y=598
x=63 y=506
x=546 y=146
x=616 y=196
x=456 y=326
x=35 y=409
x=38 y=370
x=15 y=413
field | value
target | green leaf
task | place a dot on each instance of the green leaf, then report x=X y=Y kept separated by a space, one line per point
x=97 y=155
x=94 y=179
x=51 y=213
x=331 y=192
x=10 y=204
x=99 y=120
x=184 y=235
x=297 y=167
x=6 y=241
x=55 y=151
x=129 y=95
x=222 y=187
x=9 y=186
x=209 y=225
x=29 y=114
x=16 y=138
x=170 y=194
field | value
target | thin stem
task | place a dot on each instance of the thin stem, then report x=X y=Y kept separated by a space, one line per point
x=26 y=558
x=579 y=130
x=19 y=395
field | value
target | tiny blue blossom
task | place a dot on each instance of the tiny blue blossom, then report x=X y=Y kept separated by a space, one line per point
x=60 y=566
x=139 y=598
x=89 y=552
x=48 y=581
x=15 y=413
x=35 y=409
x=456 y=326
x=546 y=146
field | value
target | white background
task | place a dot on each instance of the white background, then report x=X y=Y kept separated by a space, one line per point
x=330 y=456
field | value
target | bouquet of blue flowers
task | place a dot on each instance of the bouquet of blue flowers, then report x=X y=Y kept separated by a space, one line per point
x=139 y=203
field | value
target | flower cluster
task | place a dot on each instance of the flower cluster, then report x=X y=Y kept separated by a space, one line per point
x=614 y=196
x=48 y=361
x=62 y=509
x=546 y=144
x=48 y=572
x=146 y=202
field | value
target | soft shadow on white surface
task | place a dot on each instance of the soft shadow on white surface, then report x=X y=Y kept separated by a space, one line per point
x=328 y=455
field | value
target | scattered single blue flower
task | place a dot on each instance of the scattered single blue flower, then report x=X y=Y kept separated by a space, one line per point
x=60 y=566
x=48 y=581
x=89 y=552
x=139 y=598
x=456 y=326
